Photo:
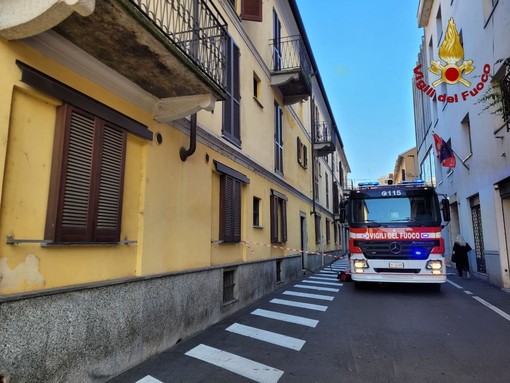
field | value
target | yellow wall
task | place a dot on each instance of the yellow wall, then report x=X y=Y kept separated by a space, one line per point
x=170 y=207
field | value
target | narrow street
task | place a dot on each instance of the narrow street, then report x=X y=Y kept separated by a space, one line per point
x=321 y=330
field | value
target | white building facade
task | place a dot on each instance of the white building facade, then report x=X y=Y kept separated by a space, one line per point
x=449 y=87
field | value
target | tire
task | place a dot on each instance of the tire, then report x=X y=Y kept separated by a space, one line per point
x=359 y=285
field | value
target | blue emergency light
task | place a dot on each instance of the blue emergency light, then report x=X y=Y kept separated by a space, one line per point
x=375 y=183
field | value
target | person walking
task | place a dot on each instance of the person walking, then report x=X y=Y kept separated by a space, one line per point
x=460 y=256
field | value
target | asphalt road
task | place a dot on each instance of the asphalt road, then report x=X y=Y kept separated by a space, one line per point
x=384 y=333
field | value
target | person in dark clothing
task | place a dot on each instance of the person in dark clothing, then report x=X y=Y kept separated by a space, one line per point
x=460 y=256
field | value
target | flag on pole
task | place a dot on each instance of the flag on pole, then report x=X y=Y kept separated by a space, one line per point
x=444 y=152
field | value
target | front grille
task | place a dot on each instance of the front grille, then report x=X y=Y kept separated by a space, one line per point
x=409 y=249
x=393 y=270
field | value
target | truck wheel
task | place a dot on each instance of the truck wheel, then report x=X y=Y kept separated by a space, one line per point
x=359 y=285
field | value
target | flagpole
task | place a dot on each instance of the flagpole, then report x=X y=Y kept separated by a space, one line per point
x=453 y=151
x=456 y=155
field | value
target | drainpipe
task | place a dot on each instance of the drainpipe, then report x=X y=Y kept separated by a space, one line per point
x=313 y=157
x=183 y=152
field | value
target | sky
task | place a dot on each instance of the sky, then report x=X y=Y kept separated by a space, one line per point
x=366 y=52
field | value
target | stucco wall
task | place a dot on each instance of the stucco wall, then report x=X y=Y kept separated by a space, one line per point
x=93 y=333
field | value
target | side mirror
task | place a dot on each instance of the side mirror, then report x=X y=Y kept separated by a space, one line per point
x=445 y=208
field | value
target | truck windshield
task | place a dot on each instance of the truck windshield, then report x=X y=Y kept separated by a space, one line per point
x=395 y=207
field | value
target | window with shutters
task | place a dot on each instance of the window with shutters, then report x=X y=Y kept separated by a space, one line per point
x=230 y=209
x=328 y=230
x=231 y=128
x=317 y=228
x=278 y=207
x=302 y=155
x=87 y=181
x=251 y=10
x=278 y=138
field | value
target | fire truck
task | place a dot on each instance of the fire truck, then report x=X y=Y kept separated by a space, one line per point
x=395 y=233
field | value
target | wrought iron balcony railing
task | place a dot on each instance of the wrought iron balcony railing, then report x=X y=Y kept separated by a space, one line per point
x=291 y=67
x=196 y=27
x=323 y=141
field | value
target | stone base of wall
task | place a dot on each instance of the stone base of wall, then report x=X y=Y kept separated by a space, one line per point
x=92 y=333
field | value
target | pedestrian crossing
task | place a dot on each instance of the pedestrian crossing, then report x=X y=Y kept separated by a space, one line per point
x=318 y=287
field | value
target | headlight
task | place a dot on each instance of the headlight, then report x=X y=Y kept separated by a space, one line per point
x=434 y=265
x=360 y=264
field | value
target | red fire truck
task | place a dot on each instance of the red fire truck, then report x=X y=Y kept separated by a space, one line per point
x=395 y=233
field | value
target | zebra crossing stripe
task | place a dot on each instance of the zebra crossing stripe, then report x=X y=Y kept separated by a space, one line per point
x=302 y=305
x=267 y=336
x=237 y=364
x=307 y=295
x=286 y=317
x=322 y=283
x=324 y=278
x=327 y=272
x=148 y=379
x=319 y=288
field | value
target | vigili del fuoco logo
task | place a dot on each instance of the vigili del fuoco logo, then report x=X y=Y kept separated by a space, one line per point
x=452 y=71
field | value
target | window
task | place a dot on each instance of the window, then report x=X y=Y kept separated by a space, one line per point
x=278 y=270
x=439 y=26
x=229 y=284
x=466 y=145
x=327 y=189
x=341 y=173
x=302 y=155
x=87 y=175
x=317 y=228
x=230 y=203
x=256 y=212
x=328 y=230
x=278 y=207
x=256 y=87
x=251 y=10
x=230 y=209
x=278 y=138
x=87 y=178
x=231 y=128
x=316 y=179
x=277 y=43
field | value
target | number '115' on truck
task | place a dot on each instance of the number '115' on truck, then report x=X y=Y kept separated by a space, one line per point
x=395 y=233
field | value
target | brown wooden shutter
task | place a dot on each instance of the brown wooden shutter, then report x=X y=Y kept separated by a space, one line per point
x=251 y=10
x=284 y=220
x=74 y=213
x=111 y=181
x=230 y=209
x=274 y=218
x=299 y=151
x=87 y=179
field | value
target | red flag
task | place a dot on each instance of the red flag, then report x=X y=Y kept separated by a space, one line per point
x=444 y=152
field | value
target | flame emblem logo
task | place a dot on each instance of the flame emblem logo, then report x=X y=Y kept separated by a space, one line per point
x=451 y=52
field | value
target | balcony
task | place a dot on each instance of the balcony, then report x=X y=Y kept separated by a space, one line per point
x=291 y=69
x=323 y=139
x=175 y=50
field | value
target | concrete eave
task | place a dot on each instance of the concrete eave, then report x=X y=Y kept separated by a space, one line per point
x=26 y=18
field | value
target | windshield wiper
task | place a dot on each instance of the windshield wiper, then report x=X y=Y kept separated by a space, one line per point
x=371 y=223
x=415 y=223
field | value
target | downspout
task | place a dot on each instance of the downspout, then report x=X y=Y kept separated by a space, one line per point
x=183 y=152
x=313 y=159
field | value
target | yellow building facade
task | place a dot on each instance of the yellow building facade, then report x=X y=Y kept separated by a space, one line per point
x=154 y=178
